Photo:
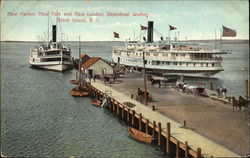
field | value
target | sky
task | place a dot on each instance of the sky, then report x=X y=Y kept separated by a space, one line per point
x=195 y=20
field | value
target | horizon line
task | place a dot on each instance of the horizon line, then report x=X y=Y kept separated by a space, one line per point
x=122 y=40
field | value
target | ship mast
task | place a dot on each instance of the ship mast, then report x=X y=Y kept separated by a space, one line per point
x=79 y=63
x=145 y=81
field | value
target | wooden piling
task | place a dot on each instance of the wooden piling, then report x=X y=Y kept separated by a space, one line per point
x=146 y=126
x=140 y=118
x=168 y=138
x=154 y=124
x=117 y=109
x=133 y=117
x=159 y=134
x=123 y=111
x=113 y=105
x=177 y=149
x=186 y=150
x=128 y=112
x=198 y=152
x=246 y=88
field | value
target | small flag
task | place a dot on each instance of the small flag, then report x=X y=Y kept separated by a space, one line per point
x=144 y=27
x=227 y=32
x=116 y=35
x=172 y=28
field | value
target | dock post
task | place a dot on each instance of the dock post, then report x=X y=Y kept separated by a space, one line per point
x=133 y=117
x=140 y=118
x=168 y=138
x=186 y=150
x=198 y=152
x=246 y=89
x=177 y=149
x=146 y=126
x=117 y=110
x=159 y=134
x=128 y=115
x=154 y=124
x=211 y=85
x=122 y=111
x=153 y=108
x=113 y=105
x=110 y=103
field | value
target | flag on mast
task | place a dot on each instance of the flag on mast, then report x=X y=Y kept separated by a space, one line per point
x=172 y=27
x=116 y=35
x=227 y=32
x=144 y=27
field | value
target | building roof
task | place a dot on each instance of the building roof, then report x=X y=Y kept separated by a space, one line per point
x=90 y=62
x=84 y=55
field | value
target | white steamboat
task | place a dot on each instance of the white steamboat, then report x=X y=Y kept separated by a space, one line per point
x=52 y=56
x=169 y=58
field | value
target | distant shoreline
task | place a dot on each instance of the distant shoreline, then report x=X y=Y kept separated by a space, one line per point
x=208 y=40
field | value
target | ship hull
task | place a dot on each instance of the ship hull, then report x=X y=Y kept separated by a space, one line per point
x=53 y=67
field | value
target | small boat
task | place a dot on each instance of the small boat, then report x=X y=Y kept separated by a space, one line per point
x=79 y=92
x=74 y=82
x=96 y=102
x=140 y=136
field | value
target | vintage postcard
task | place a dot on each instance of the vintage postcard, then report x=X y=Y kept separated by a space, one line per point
x=90 y=78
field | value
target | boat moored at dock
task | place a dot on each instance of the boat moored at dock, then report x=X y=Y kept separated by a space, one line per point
x=140 y=136
x=169 y=57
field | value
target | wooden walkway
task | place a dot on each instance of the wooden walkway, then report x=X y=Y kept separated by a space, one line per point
x=195 y=140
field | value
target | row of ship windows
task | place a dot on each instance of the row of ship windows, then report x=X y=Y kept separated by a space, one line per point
x=175 y=63
x=133 y=45
x=163 y=54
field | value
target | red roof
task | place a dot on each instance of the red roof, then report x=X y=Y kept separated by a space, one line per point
x=90 y=62
x=83 y=55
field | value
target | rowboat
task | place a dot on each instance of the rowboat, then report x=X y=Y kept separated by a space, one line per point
x=96 y=102
x=79 y=92
x=140 y=136
x=74 y=81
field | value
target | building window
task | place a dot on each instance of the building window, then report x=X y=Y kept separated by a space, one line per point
x=212 y=64
x=167 y=63
x=162 y=62
x=157 y=62
x=206 y=64
x=186 y=64
x=194 y=64
x=180 y=63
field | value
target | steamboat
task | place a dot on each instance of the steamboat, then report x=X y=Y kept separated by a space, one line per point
x=52 y=55
x=167 y=57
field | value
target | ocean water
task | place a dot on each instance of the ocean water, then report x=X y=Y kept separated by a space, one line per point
x=40 y=118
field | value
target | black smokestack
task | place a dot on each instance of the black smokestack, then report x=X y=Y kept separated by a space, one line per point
x=150 y=31
x=54 y=33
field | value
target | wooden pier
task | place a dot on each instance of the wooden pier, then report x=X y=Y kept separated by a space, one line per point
x=170 y=135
